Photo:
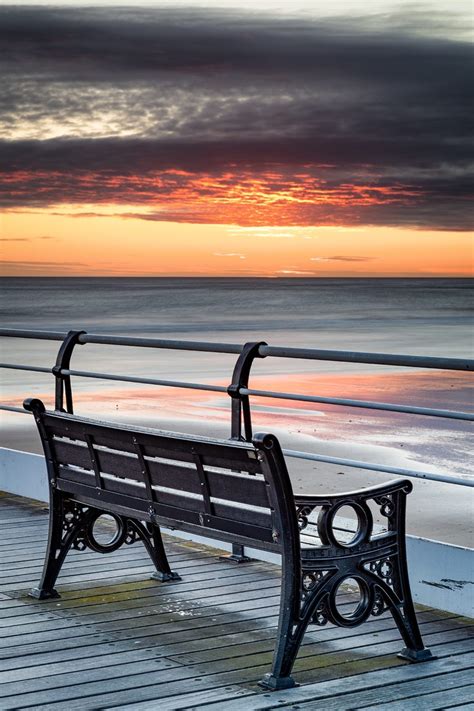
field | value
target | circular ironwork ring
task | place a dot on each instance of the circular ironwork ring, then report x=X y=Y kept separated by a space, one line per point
x=114 y=543
x=363 y=609
x=364 y=524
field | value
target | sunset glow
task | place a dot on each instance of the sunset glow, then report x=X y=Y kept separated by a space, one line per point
x=211 y=141
x=37 y=243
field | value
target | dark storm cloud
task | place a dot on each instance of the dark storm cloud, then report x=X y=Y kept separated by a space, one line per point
x=111 y=43
x=135 y=92
x=397 y=158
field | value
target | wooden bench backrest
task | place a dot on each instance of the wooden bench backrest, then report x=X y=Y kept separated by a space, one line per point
x=236 y=491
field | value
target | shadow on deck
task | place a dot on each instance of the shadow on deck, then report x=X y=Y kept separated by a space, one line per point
x=117 y=639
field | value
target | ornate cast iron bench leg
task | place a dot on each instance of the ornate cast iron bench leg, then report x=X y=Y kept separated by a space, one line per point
x=71 y=525
x=66 y=521
x=377 y=563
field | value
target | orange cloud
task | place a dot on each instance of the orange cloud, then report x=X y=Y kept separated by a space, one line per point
x=232 y=197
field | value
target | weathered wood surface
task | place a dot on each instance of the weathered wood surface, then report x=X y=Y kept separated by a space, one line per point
x=118 y=640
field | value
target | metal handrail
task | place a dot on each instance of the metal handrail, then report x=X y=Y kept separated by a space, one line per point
x=366 y=404
x=263 y=350
x=398 y=471
x=32 y=368
x=345 y=402
x=410 y=361
x=29 y=333
x=148 y=381
x=120 y=378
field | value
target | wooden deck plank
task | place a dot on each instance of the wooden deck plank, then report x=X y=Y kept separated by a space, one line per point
x=112 y=658
x=194 y=670
x=126 y=608
x=173 y=628
x=87 y=595
x=308 y=648
x=143 y=592
x=130 y=628
x=212 y=699
x=245 y=636
x=57 y=621
x=145 y=686
x=436 y=701
x=403 y=693
x=148 y=591
x=224 y=647
x=175 y=621
x=106 y=673
x=116 y=639
x=24 y=578
x=326 y=690
x=138 y=615
x=114 y=571
x=192 y=699
x=327 y=654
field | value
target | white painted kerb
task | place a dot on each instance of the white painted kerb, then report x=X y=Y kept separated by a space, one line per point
x=24 y=474
x=441 y=574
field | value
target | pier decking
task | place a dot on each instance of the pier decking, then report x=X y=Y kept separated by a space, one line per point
x=118 y=640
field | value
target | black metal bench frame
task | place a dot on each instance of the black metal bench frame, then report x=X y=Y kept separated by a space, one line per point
x=232 y=491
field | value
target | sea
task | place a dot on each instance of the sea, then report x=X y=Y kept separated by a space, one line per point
x=431 y=317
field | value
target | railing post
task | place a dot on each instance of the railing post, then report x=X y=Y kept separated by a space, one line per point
x=240 y=380
x=63 y=382
x=241 y=409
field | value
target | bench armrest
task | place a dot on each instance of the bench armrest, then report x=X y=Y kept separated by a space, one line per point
x=371 y=492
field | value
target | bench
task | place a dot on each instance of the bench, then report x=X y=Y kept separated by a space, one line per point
x=231 y=491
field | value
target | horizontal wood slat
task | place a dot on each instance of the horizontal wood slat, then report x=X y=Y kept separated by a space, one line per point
x=178 y=505
x=213 y=453
x=245 y=489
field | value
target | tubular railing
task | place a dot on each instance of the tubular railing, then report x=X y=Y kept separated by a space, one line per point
x=238 y=390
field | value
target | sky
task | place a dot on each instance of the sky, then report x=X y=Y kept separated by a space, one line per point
x=265 y=139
